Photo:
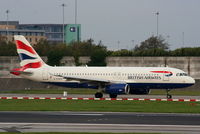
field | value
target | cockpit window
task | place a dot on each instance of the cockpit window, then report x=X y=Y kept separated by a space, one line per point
x=181 y=74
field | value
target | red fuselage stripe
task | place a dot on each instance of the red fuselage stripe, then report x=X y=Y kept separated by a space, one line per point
x=165 y=72
x=21 y=45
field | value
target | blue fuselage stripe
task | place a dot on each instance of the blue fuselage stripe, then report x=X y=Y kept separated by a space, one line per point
x=132 y=85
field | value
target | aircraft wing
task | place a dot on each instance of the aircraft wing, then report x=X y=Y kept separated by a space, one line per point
x=87 y=79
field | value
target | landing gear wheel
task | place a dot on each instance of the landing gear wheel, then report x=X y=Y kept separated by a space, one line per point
x=169 y=96
x=98 y=95
x=113 y=95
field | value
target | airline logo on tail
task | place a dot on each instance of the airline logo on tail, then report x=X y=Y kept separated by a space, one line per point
x=28 y=56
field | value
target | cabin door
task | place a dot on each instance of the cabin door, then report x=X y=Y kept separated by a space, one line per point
x=117 y=76
x=45 y=74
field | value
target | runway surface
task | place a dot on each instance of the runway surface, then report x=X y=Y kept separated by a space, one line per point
x=105 y=95
x=98 y=122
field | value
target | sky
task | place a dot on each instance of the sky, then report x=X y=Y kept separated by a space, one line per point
x=119 y=24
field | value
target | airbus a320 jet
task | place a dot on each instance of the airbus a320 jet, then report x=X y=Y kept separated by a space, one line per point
x=111 y=80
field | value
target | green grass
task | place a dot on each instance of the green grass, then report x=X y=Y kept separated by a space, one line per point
x=52 y=91
x=176 y=92
x=93 y=91
x=100 y=106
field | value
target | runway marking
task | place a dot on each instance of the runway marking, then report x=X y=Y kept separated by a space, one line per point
x=84 y=114
x=107 y=99
x=89 y=124
x=88 y=127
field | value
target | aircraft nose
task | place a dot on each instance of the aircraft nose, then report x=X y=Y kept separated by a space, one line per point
x=191 y=80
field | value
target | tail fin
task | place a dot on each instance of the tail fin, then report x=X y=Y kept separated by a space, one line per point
x=28 y=56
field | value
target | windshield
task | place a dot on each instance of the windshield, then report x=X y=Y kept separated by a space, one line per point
x=181 y=74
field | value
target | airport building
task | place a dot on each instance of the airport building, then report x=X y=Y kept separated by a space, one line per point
x=10 y=29
x=35 y=32
x=73 y=33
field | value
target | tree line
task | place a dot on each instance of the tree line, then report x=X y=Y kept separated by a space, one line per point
x=153 y=46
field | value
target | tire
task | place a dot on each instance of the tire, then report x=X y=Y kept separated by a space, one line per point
x=113 y=95
x=169 y=96
x=98 y=95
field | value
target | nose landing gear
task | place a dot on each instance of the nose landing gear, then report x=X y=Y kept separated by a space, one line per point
x=169 y=96
x=99 y=95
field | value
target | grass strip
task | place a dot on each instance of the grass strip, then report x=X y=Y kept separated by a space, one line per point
x=70 y=133
x=177 y=92
x=100 y=106
x=93 y=91
x=52 y=91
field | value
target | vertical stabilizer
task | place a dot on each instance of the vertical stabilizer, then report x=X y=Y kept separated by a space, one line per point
x=28 y=56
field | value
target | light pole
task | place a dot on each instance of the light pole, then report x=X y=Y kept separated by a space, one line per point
x=157 y=14
x=63 y=5
x=76 y=11
x=7 y=19
x=118 y=43
x=183 y=39
x=133 y=41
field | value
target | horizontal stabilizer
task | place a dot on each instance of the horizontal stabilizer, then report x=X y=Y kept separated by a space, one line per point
x=15 y=72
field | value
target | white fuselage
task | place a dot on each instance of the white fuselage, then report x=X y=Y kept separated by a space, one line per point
x=111 y=80
x=138 y=76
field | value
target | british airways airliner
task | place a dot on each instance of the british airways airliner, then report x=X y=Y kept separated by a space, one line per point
x=111 y=80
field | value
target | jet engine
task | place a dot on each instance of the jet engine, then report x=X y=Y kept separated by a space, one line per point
x=117 y=89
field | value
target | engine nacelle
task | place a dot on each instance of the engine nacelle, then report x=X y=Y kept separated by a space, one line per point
x=117 y=89
x=139 y=91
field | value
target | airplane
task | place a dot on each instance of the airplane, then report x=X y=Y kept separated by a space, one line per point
x=111 y=80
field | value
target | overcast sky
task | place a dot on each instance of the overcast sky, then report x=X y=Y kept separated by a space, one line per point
x=116 y=22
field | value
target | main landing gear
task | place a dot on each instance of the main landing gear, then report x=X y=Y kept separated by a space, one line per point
x=99 y=95
x=169 y=96
x=113 y=95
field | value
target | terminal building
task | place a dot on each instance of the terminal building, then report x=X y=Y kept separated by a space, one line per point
x=9 y=29
x=35 y=32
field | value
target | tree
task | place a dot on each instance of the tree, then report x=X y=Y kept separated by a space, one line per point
x=151 y=52
x=42 y=47
x=7 y=48
x=186 y=52
x=153 y=42
x=122 y=52
x=56 y=53
x=98 y=56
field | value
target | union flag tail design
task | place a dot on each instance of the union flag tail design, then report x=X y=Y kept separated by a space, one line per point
x=28 y=56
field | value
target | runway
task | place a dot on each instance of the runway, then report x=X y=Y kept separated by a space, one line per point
x=113 y=128
x=98 y=122
x=105 y=95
